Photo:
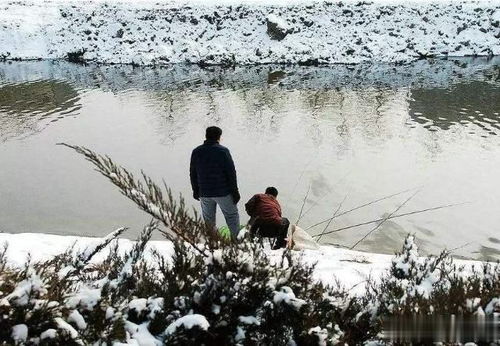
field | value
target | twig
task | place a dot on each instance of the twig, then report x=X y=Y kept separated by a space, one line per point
x=150 y=198
x=303 y=204
x=359 y=207
x=356 y=285
x=392 y=217
x=333 y=217
x=385 y=219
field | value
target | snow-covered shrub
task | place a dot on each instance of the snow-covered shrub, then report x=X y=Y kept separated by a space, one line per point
x=434 y=285
x=237 y=294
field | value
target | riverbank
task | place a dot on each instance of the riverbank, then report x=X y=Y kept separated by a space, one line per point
x=333 y=265
x=156 y=293
x=247 y=32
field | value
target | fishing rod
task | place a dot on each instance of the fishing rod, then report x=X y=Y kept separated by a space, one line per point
x=385 y=219
x=303 y=204
x=392 y=217
x=359 y=207
x=334 y=214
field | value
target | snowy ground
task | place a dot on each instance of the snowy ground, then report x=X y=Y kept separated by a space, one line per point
x=248 y=31
x=350 y=268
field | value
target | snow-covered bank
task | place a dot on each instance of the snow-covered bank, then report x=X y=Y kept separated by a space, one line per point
x=248 y=32
x=350 y=268
x=236 y=293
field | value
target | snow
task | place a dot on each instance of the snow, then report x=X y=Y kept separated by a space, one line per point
x=24 y=290
x=493 y=306
x=86 y=298
x=249 y=320
x=20 y=333
x=236 y=31
x=285 y=295
x=76 y=318
x=240 y=334
x=49 y=334
x=91 y=248
x=65 y=326
x=42 y=247
x=140 y=335
x=215 y=309
x=350 y=268
x=155 y=305
x=138 y=304
x=110 y=312
x=188 y=322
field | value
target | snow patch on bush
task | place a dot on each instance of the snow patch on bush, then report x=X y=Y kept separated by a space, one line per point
x=286 y=296
x=20 y=333
x=76 y=318
x=188 y=322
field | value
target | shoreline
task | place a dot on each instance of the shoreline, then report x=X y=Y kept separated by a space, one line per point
x=350 y=267
x=253 y=32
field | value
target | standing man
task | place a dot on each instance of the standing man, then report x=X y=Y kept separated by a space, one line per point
x=213 y=179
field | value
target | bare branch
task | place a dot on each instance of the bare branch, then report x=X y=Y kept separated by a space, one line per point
x=150 y=198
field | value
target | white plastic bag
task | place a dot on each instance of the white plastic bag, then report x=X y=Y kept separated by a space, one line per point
x=298 y=239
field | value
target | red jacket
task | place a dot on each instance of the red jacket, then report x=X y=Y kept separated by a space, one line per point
x=265 y=207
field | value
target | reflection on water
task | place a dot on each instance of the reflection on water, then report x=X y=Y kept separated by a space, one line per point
x=354 y=132
x=473 y=103
x=25 y=106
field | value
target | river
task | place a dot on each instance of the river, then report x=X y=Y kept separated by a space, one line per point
x=347 y=133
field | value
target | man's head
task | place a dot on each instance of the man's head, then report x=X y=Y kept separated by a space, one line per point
x=272 y=191
x=213 y=133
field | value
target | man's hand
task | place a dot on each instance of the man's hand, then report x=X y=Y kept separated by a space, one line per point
x=236 y=196
x=196 y=195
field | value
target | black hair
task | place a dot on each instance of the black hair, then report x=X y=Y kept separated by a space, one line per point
x=213 y=133
x=272 y=191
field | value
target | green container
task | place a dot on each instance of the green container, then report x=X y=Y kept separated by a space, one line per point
x=225 y=232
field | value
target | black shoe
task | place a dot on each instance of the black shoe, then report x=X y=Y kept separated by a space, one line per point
x=279 y=244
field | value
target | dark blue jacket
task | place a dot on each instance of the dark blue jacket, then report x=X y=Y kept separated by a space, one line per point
x=212 y=171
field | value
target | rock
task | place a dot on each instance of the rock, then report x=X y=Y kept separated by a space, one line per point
x=309 y=62
x=76 y=57
x=119 y=33
x=275 y=76
x=462 y=28
x=277 y=28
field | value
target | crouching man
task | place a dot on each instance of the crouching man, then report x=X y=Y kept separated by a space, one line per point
x=265 y=217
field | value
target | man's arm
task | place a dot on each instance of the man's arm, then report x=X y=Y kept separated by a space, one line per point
x=231 y=177
x=251 y=206
x=194 y=177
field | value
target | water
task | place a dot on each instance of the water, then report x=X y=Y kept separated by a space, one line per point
x=353 y=132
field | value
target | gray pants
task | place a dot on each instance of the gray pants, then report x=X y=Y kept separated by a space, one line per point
x=228 y=208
